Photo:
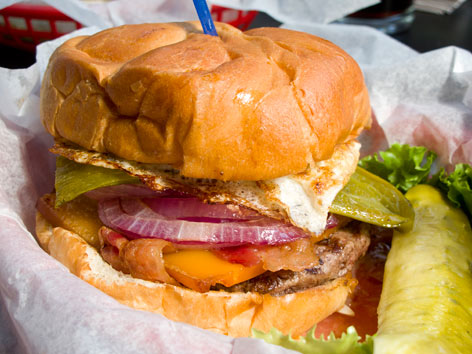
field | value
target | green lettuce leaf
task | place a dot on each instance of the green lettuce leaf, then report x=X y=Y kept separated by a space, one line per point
x=402 y=165
x=349 y=343
x=405 y=166
x=457 y=186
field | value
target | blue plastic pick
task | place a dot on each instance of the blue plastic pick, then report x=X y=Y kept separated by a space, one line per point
x=205 y=17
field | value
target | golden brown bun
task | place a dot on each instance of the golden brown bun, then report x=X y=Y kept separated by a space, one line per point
x=241 y=106
x=233 y=314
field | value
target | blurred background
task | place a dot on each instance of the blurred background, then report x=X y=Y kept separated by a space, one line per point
x=423 y=25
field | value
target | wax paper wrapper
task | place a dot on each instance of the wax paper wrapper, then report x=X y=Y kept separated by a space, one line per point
x=422 y=99
x=117 y=12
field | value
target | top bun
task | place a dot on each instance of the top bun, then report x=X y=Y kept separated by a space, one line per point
x=242 y=106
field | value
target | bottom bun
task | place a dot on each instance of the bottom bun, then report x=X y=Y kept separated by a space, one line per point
x=232 y=314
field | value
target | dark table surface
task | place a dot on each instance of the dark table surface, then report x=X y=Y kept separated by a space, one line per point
x=428 y=32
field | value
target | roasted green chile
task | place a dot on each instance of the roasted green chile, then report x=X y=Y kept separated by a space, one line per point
x=371 y=199
x=74 y=179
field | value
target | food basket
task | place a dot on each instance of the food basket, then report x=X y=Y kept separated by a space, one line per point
x=240 y=19
x=24 y=25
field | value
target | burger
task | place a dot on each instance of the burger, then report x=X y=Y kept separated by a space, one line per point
x=196 y=175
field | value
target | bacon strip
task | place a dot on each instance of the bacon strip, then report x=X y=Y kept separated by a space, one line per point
x=141 y=258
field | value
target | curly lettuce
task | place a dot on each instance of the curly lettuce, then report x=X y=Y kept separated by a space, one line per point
x=457 y=186
x=402 y=165
x=349 y=343
x=406 y=166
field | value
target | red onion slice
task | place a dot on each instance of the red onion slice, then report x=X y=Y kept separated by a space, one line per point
x=332 y=221
x=136 y=220
x=192 y=209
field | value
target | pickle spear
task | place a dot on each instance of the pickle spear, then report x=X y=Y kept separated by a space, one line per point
x=426 y=301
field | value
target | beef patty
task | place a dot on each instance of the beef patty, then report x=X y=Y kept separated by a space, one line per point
x=337 y=256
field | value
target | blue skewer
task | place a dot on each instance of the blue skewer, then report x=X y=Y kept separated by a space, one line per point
x=205 y=17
